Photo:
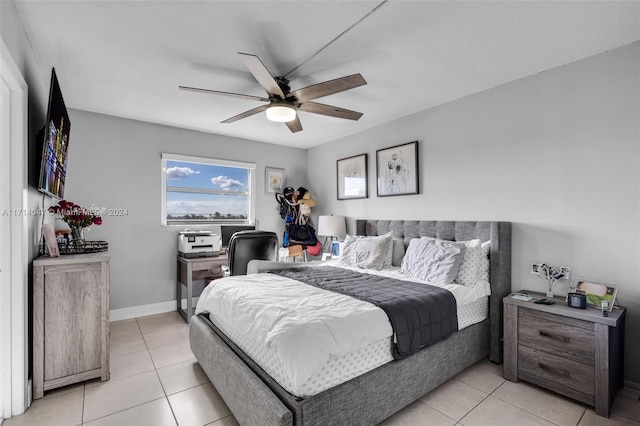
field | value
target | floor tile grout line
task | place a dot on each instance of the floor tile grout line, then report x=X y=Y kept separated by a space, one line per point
x=584 y=407
x=120 y=411
x=84 y=393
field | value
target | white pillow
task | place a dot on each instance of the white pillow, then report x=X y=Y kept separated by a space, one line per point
x=483 y=273
x=432 y=260
x=366 y=252
x=469 y=271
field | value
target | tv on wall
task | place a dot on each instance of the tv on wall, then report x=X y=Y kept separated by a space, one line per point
x=53 y=169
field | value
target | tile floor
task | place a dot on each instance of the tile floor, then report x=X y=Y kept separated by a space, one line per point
x=155 y=380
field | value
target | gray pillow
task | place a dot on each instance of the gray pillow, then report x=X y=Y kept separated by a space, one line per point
x=365 y=252
x=432 y=260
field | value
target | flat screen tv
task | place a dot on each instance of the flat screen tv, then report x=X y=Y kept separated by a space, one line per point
x=53 y=168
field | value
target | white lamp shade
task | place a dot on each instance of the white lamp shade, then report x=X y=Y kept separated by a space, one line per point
x=332 y=226
x=281 y=113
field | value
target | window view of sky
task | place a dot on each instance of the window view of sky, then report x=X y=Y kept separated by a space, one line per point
x=225 y=190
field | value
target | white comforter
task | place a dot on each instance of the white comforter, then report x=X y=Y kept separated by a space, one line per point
x=304 y=325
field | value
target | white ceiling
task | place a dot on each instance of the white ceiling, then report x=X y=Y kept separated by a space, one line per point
x=127 y=58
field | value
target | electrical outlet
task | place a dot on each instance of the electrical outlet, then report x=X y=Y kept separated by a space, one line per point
x=535 y=268
x=566 y=272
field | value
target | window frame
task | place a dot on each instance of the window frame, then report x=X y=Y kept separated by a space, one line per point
x=251 y=167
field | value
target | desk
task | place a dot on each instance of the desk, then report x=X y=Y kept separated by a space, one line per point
x=191 y=269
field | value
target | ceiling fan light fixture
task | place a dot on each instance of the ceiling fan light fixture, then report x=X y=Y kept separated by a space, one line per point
x=281 y=113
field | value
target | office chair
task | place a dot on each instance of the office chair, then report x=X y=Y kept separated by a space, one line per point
x=248 y=245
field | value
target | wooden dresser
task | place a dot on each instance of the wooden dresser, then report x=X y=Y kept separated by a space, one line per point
x=575 y=352
x=70 y=320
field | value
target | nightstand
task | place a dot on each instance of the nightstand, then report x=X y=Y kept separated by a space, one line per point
x=196 y=268
x=574 y=352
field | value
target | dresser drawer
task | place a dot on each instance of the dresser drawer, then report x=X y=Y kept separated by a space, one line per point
x=556 y=372
x=572 y=338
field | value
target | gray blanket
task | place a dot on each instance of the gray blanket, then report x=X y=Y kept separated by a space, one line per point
x=420 y=314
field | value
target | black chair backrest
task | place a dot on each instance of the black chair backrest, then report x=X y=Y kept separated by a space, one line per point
x=248 y=245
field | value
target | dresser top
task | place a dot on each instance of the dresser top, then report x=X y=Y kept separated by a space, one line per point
x=68 y=259
x=560 y=307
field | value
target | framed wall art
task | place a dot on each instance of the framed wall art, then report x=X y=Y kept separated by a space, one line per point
x=352 y=177
x=596 y=292
x=397 y=170
x=274 y=180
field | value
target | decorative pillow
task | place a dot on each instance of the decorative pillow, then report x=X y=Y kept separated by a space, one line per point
x=432 y=260
x=469 y=270
x=483 y=274
x=365 y=252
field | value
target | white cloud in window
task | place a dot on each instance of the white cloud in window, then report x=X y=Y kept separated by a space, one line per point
x=227 y=183
x=180 y=172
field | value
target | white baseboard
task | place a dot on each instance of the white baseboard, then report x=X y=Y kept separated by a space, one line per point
x=144 y=310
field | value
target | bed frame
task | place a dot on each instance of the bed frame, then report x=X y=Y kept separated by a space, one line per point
x=256 y=399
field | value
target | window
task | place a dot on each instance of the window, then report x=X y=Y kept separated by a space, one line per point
x=205 y=191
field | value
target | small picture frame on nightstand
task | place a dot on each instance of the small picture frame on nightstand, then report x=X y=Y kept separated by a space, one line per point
x=595 y=291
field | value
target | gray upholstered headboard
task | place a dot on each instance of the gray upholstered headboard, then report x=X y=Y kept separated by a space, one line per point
x=499 y=233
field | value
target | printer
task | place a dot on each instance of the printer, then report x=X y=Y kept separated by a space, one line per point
x=198 y=244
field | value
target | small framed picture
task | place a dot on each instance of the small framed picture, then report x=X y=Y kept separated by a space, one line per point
x=352 y=177
x=274 y=180
x=397 y=170
x=596 y=292
x=336 y=248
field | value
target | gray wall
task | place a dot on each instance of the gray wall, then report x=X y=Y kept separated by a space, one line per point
x=15 y=38
x=557 y=154
x=115 y=163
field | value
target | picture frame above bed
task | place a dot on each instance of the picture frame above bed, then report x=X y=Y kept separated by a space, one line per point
x=397 y=170
x=352 y=177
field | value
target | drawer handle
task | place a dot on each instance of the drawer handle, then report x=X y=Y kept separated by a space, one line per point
x=553 y=370
x=554 y=336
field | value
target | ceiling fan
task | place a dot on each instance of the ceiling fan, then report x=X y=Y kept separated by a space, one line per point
x=282 y=103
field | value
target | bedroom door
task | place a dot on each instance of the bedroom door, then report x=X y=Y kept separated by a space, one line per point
x=14 y=395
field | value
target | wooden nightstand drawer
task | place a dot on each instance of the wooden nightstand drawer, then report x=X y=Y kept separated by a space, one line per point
x=556 y=373
x=571 y=337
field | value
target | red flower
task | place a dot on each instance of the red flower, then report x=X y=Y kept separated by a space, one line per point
x=75 y=215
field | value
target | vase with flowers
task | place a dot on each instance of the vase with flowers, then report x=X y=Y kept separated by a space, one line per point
x=77 y=217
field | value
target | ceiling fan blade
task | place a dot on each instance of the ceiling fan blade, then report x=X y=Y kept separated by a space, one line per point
x=330 y=110
x=329 y=87
x=216 y=92
x=294 y=125
x=262 y=74
x=246 y=114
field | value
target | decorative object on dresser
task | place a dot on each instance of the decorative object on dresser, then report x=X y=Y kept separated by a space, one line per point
x=397 y=170
x=577 y=353
x=70 y=320
x=550 y=275
x=192 y=269
x=352 y=177
x=595 y=292
x=78 y=219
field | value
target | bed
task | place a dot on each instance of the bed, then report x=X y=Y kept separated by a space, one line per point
x=255 y=398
